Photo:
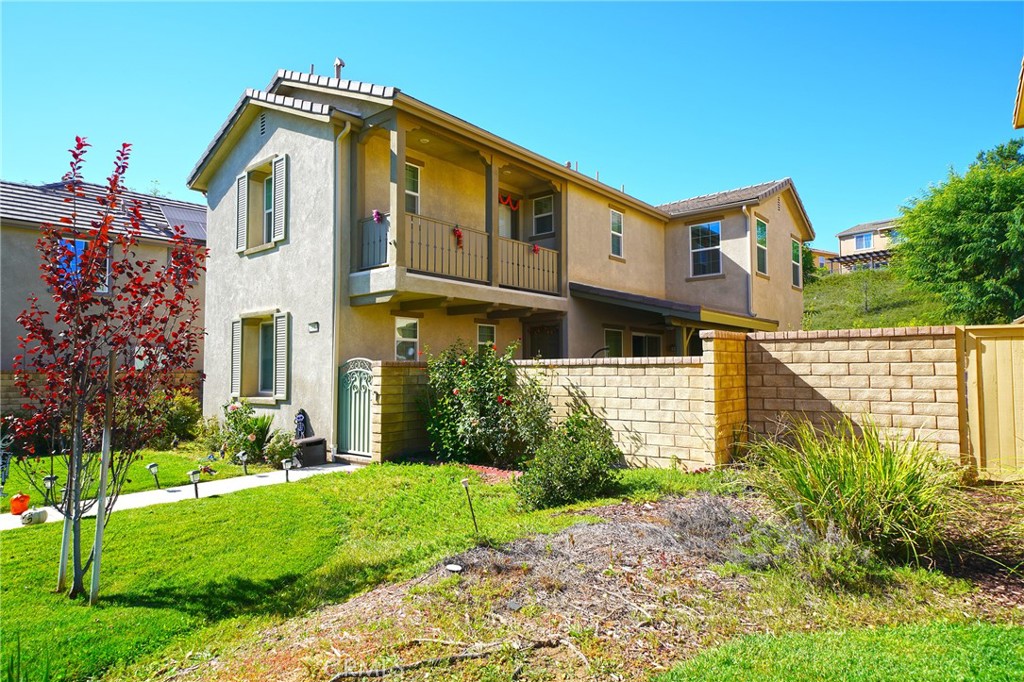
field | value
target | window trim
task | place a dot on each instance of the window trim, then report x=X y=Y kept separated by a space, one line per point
x=607 y=331
x=611 y=226
x=797 y=263
x=481 y=344
x=758 y=222
x=399 y=321
x=706 y=248
x=419 y=186
x=260 y=390
x=535 y=215
x=870 y=241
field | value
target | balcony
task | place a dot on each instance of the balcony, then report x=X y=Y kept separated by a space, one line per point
x=458 y=252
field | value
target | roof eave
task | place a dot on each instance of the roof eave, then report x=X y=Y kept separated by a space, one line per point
x=1018 y=109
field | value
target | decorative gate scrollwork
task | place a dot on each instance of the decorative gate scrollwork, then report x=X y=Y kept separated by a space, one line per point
x=355 y=384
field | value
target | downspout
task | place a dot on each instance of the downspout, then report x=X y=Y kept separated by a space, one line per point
x=750 y=264
x=336 y=283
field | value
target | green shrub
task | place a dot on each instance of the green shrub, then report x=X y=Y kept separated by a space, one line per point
x=887 y=494
x=480 y=409
x=242 y=431
x=578 y=461
x=278 y=447
x=181 y=416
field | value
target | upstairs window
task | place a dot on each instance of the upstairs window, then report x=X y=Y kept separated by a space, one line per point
x=544 y=215
x=486 y=336
x=261 y=205
x=412 y=188
x=616 y=219
x=863 y=241
x=762 y=247
x=797 y=265
x=706 y=249
x=407 y=339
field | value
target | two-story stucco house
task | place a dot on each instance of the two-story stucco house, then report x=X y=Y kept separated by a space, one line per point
x=867 y=246
x=350 y=220
x=24 y=207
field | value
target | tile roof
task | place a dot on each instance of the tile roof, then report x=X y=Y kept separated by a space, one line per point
x=384 y=91
x=728 y=198
x=888 y=223
x=35 y=204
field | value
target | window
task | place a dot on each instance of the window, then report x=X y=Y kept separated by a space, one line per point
x=616 y=233
x=412 y=188
x=73 y=264
x=797 y=265
x=705 y=249
x=259 y=356
x=762 y=247
x=862 y=241
x=261 y=211
x=486 y=336
x=407 y=339
x=544 y=215
x=613 y=342
x=821 y=261
x=646 y=345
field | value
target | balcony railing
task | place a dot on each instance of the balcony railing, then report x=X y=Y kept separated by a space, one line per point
x=433 y=247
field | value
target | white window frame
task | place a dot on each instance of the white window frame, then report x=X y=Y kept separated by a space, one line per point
x=481 y=344
x=550 y=213
x=869 y=238
x=419 y=186
x=759 y=247
x=269 y=324
x=268 y=209
x=718 y=223
x=619 y=332
x=399 y=322
x=797 y=263
x=619 y=234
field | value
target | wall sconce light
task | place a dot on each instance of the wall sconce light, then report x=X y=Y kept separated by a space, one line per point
x=194 y=477
x=49 y=481
x=154 y=469
x=244 y=459
x=286 y=464
x=313 y=327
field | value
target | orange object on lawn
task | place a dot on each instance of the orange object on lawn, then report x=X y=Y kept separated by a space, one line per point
x=19 y=503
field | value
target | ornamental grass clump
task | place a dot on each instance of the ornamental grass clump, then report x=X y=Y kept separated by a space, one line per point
x=891 y=495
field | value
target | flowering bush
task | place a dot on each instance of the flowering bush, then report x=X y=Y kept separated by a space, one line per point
x=245 y=431
x=480 y=409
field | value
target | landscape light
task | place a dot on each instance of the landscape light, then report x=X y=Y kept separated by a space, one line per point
x=244 y=459
x=194 y=477
x=286 y=464
x=154 y=469
x=48 y=481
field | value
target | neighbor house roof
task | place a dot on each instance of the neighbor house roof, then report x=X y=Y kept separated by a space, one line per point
x=1018 y=107
x=26 y=204
x=886 y=224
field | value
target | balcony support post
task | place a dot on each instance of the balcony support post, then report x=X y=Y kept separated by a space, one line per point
x=399 y=228
x=491 y=213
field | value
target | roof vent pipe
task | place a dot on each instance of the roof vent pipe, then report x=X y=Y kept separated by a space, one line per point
x=310 y=69
x=338 y=64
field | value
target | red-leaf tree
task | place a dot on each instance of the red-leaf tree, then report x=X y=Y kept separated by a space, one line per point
x=105 y=300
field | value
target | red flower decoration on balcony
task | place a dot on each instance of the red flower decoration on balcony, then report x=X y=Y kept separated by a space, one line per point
x=378 y=217
x=458 y=236
x=536 y=248
x=507 y=200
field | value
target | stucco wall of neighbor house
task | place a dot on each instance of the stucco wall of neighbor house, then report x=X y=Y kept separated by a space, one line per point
x=879 y=242
x=20 y=278
x=727 y=291
x=296 y=276
x=641 y=270
x=775 y=297
x=904 y=380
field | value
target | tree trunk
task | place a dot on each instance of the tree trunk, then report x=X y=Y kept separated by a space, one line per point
x=77 y=584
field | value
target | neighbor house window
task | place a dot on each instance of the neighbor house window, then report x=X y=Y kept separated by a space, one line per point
x=862 y=241
x=407 y=338
x=73 y=263
x=821 y=261
x=706 y=249
x=797 y=266
x=266 y=360
x=486 y=336
x=616 y=233
x=544 y=215
x=646 y=345
x=762 y=247
x=613 y=343
x=412 y=188
x=260 y=204
x=259 y=356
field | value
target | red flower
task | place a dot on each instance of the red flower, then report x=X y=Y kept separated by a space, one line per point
x=455 y=391
x=462 y=361
x=501 y=399
x=494 y=346
x=536 y=248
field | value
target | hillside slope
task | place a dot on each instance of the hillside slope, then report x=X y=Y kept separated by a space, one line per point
x=869 y=298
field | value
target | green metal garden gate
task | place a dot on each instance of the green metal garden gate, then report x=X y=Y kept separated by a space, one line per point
x=355 y=403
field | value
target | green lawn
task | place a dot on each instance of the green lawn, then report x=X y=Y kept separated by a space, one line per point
x=195 y=574
x=869 y=298
x=934 y=652
x=174 y=468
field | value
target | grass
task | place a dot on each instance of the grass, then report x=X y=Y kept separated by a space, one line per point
x=935 y=652
x=174 y=468
x=869 y=298
x=190 y=576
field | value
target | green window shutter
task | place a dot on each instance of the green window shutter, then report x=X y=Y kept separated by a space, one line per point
x=242 y=216
x=236 y=358
x=281 y=343
x=280 y=198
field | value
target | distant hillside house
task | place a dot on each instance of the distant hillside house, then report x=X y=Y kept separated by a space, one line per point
x=822 y=257
x=865 y=247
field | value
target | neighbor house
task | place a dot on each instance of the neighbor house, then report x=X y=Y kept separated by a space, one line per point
x=822 y=258
x=24 y=207
x=350 y=221
x=1018 y=106
x=867 y=246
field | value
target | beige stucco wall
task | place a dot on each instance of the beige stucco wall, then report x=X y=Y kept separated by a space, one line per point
x=774 y=296
x=20 y=278
x=587 y=321
x=727 y=291
x=296 y=276
x=879 y=242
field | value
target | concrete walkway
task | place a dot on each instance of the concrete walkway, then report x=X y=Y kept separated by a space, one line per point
x=148 y=498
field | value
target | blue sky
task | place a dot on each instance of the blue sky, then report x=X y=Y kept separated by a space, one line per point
x=863 y=105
